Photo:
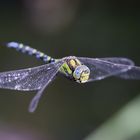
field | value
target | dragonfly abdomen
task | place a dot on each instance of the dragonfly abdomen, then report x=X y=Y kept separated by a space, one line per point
x=30 y=51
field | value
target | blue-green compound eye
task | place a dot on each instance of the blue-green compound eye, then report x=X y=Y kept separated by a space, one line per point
x=81 y=73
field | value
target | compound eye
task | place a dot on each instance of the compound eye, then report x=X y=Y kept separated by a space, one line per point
x=81 y=74
x=77 y=73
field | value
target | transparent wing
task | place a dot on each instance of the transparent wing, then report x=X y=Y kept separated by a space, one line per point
x=133 y=73
x=29 y=79
x=34 y=102
x=105 y=67
x=119 y=60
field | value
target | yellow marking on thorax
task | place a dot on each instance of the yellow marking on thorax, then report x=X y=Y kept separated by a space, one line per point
x=68 y=67
x=65 y=69
x=72 y=63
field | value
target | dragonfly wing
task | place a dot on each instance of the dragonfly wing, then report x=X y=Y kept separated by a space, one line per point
x=28 y=79
x=133 y=73
x=101 y=69
x=34 y=102
x=119 y=60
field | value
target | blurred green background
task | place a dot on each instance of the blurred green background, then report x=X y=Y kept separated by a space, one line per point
x=104 y=110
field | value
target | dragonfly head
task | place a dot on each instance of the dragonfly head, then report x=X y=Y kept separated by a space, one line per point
x=81 y=74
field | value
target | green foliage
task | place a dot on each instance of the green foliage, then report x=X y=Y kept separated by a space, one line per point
x=124 y=125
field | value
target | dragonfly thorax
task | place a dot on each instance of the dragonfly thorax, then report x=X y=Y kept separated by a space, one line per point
x=75 y=70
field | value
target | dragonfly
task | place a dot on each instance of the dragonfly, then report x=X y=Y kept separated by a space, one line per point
x=78 y=69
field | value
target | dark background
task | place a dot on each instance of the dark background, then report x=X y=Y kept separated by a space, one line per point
x=67 y=110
